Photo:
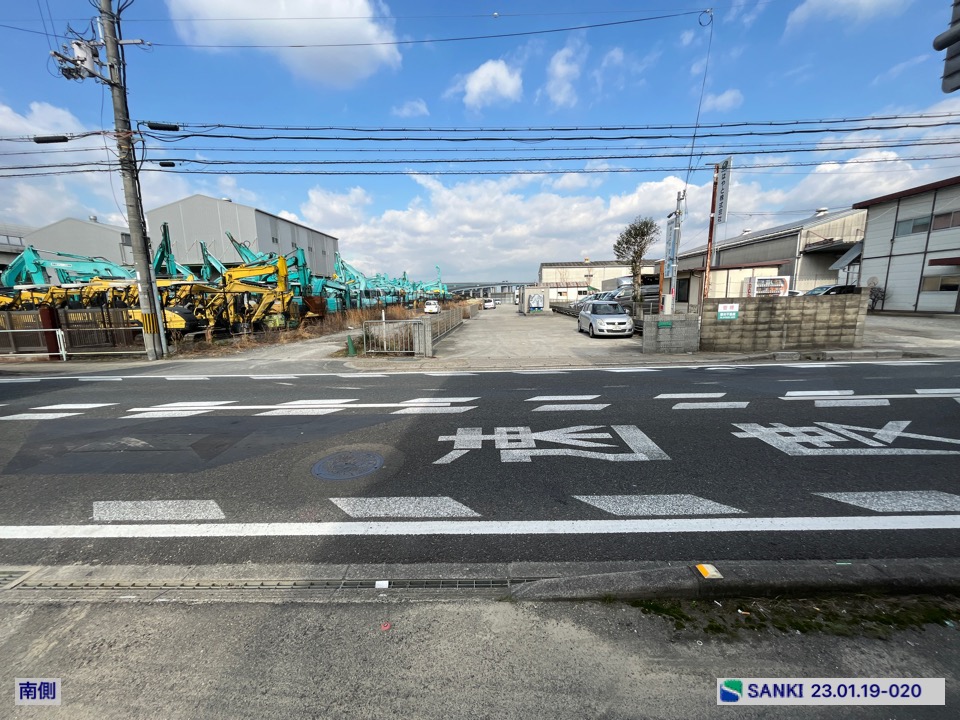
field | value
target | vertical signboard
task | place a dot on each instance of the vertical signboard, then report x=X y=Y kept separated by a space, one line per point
x=723 y=190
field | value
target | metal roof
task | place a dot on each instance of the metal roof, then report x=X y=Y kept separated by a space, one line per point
x=949 y=182
x=758 y=235
x=589 y=263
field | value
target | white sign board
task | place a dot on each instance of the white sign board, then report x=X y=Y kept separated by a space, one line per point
x=723 y=190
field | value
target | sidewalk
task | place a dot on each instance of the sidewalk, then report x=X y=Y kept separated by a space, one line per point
x=503 y=339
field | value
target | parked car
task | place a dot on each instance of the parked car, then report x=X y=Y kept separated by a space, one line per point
x=605 y=317
x=578 y=305
x=832 y=290
x=431 y=306
x=489 y=304
x=795 y=293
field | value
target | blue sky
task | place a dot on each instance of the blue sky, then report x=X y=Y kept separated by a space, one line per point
x=766 y=60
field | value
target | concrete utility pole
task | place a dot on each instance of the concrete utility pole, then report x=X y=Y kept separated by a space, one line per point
x=131 y=187
x=708 y=258
x=674 y=220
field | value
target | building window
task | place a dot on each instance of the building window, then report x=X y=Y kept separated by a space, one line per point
x=275 y=241
x=295 y=246
x=942 y=221
x=912 y=226
x=125 y=239
x=323 y=252
x=940 y=283
x=309 y=248
x=683 y=290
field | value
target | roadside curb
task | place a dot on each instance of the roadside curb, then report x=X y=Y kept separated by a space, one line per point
x=754 y=578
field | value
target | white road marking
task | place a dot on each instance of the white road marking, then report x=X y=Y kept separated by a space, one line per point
x=539 y=372
x=688 y=396
x=450 y=374
x=855 y=402
x=881 y=397
x=40 y=416
x=818 y=393
x=296 y=403
x=74 y=406
x=710 y=405
x=570 y=408
x=192 y=404
x=405 y=507
x=273 y=377
x=643 y=505
x=145 y=510
x=99 y=379
x=797 y=380
x=905 y=363
x=151 y=414
x=630 y=370
x=561 y=398
x=899 y=501
x=188 y=377
x=943 y=391
x=356 y=376
x=20 y=380
x=432 y=410
x=814 y=365
x=487 y=527
x=299 y=411
x=430 y=400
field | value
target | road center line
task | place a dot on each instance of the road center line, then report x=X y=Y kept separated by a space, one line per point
x=486 y=527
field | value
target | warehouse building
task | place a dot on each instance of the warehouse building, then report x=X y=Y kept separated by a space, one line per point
x=89 y=238
x=200 y=217
x=911 y=248
x=569 y=281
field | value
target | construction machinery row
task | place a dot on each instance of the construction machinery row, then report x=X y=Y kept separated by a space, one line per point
x=265 y=290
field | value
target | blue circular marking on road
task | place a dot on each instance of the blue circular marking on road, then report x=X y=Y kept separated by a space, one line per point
x=348 y=465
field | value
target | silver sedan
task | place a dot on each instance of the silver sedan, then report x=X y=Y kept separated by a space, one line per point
x=604 y=318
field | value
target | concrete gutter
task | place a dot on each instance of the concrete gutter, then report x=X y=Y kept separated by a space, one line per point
x=754 y=578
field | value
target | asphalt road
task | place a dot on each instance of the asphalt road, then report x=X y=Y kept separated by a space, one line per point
x=805 y=460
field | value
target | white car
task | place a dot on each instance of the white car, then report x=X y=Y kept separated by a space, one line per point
x=489 y=304
x=431 y=306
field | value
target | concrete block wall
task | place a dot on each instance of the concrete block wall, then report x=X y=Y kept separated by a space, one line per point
x=682 y=336
x=785 y=323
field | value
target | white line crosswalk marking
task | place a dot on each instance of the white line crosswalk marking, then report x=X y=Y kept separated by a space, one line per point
x=561 y=398
x=571 y=408
x=898 y=501
x=408 y=507
x=161 y=510
x=710 y=405
x=40 y=416
x=853 y=402
x=650 y=505
x=74 y=406
x=688 y=396
x=818 y=393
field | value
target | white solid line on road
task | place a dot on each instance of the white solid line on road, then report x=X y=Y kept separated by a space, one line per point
x=450 y=374
x=538 y=372
x=99 y=379
x=855 y=402
x=561 y=398
x=571 y=408
x=299 y=403
x=153 y=414
x=354 y=376
x=272 y=377
x=432 y=410
x=710 y=405
x=40 y=416
x=74 y=406
x=818 y=393
x=630 y=370
x=944 y=391
x=164 y=510
x=899 y=501
x=403 y=507
x=188 y=377
x=688 y=396
x=299 y=411
x=880 y=397
x=20 y=380
x=645 y=505
x=487 y=527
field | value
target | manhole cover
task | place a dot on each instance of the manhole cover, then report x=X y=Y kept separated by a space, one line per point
x=348 y=465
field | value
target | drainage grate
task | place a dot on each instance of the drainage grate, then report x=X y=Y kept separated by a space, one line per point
x=445 y=584
x=9 y=576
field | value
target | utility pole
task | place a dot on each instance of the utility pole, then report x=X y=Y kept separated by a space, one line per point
x=131 y=185
x=674 y=219
x=82 y=65
x=708 y=258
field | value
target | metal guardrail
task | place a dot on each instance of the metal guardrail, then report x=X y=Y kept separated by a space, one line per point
x=69 y=339
x=8 y=339
x=445 y=322
x=394 y=337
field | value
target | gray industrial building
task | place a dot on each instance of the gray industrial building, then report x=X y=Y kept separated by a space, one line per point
x=911 y=248
x=200 y=217
x=818 y=250
x=12 y=241
x=84 y=237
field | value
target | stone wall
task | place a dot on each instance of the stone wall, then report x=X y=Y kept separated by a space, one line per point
x=805 y=322
x=671 y=334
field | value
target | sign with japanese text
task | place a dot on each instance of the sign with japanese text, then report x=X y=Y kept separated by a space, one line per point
x=728 y=311
x=723 y=190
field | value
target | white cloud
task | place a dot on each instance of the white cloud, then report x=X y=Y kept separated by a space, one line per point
x=740 y=9
x=493 y=82
x=618 y=69
x=727 y=100
x=855 y=11
x=325 y=209
x=698 y=66
x=411 y=108
x=562 y=72
x=283 y=24
x=899 y=68
x=686 y=37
